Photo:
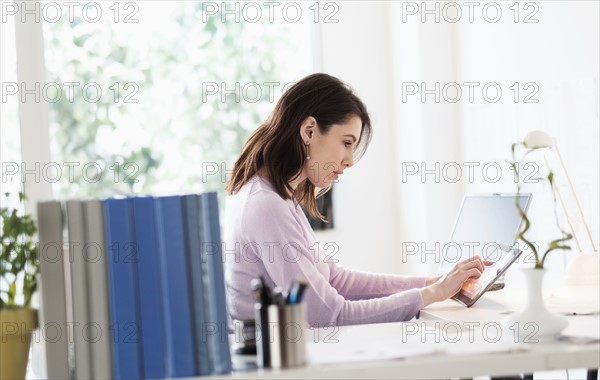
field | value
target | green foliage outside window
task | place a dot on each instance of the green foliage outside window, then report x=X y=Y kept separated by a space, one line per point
x=155 y=129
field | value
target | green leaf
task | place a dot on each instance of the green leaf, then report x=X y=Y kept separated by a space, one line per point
x=12 y=291
x=19 y=255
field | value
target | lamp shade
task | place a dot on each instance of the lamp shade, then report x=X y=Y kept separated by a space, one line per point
x=538 y=140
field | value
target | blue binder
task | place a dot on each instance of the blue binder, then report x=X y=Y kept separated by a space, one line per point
x=214 y=282
x=176 y=287
x=122 y=271
x=149 y=276
x=192 y=229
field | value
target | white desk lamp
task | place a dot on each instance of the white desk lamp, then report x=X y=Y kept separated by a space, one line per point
x=585 y=267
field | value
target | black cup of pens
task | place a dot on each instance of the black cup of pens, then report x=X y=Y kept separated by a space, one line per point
x=280 y=325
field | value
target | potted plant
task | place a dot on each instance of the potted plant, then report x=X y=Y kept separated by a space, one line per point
x=535 y=323
x=19 y=266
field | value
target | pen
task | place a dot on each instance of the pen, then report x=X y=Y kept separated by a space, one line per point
x=262 y=294
x=296 y=291
x=267 y=294
x=257 y=289
x=292 y=292
x=301 y=288
x=279 y=297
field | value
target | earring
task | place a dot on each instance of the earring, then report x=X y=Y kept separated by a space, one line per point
x=307 y=156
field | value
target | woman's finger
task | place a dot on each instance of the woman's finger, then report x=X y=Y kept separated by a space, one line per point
x=468 y=259
x=473 y=273
x=477 y=259
x=483 y=263
x=473 y=264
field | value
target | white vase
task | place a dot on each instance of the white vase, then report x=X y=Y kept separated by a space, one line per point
x=535 y=323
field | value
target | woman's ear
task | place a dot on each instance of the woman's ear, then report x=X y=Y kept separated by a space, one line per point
x=308 y=128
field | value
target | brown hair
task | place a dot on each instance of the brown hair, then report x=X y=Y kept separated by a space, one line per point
x=277 y=145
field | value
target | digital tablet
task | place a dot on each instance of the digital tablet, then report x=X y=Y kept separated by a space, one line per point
x=472 y=289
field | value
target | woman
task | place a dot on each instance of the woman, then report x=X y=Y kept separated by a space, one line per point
x=316 y=131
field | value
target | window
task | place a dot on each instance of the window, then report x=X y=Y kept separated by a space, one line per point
x=158 y=97
x=10 y=143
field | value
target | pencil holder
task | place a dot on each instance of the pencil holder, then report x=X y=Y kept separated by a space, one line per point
x=287 y=335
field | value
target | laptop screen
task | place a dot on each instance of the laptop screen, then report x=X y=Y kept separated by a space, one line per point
x=483 y=223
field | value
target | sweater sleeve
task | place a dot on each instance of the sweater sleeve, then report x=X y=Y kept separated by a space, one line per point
x=272 y=230
x=359 y=285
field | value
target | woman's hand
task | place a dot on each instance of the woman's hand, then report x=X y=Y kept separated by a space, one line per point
x=448 y=285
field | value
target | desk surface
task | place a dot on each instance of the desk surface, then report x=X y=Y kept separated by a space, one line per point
x=448 y=340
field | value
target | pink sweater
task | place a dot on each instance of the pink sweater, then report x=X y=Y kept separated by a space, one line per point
x=268 y=236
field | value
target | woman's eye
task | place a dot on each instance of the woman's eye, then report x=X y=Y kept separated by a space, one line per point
x=347 y=143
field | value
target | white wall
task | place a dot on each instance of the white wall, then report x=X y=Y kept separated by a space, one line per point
x=426 y=136
x=376 y=210
x=560 y=55
x=377 y=205
x=365 y=225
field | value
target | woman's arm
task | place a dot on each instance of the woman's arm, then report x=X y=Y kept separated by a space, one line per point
x=358 y=285
x=326 y=307
x=270 y=224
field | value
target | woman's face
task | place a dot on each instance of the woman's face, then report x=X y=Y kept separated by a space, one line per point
x=331 y=153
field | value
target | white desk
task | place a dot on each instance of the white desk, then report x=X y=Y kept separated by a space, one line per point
x=435 y=346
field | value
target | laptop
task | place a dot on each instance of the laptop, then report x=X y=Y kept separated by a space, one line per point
x=486 y=225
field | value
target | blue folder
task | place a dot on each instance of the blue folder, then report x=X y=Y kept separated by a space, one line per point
x=176 y=289
x=214 y=281
x=149 y=276
x=122 y=272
